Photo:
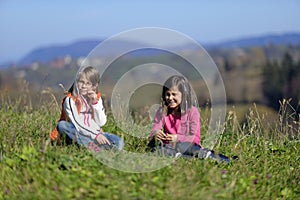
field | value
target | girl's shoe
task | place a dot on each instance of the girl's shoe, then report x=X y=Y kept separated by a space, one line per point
x=207 y=153
x=94 y=147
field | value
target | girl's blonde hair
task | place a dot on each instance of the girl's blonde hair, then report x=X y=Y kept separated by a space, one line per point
x=91 y=74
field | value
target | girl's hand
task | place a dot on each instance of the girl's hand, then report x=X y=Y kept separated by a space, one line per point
x=92 y=97
x=101 y=139
x=171 y=137
x=160 y=135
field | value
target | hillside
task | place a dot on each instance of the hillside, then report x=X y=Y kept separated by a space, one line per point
x=259 y=41
x=243 y=69
x=83 y=48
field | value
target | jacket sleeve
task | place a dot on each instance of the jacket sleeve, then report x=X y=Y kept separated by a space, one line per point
x=157 y=122
x=78 y=120
x=99 y=113
x=191 y=132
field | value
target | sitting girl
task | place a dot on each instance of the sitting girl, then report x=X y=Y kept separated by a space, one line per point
x=83 y=114
x=176 y=125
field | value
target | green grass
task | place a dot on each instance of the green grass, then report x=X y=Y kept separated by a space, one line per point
x=33 y=168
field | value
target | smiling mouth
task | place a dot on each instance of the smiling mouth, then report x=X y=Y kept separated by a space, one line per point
x=170 y=103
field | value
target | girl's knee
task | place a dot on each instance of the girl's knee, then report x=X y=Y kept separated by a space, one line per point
x=62 y=126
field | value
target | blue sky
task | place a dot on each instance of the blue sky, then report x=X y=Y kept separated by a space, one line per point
x=26 y=25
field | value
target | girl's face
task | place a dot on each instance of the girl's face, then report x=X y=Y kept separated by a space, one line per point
x=173 y=97
x=84 y=85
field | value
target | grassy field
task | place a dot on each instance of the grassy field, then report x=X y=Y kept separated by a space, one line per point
x=33 y=168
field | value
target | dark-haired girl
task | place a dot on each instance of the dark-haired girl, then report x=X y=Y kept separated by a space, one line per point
x=176 y=125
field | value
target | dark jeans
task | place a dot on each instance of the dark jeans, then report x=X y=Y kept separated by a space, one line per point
x=186 y=149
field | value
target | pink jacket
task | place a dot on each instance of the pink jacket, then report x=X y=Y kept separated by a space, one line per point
x=187 y=126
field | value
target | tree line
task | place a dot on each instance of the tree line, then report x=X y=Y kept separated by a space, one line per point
x=281 y=80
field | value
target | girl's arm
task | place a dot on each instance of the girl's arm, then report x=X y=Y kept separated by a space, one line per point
x=99 y=113
x=192 y=129
x=157 y=124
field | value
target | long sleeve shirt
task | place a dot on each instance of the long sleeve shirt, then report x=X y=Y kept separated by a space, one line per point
x=89 y=120
x=187 y=126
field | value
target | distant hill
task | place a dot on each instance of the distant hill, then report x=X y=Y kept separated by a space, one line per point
x=83 y=48
x=75 y=50
x=46 y=54
x=259 y=41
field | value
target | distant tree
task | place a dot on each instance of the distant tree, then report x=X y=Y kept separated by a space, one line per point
x=281 y=80
x=297 y=83
x=257 y=57
x=273 y=84
x=227 y=65
x=289 y=71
